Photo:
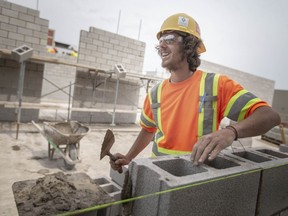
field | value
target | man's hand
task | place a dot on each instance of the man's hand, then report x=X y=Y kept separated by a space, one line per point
x=119 y=162
x=210 y=145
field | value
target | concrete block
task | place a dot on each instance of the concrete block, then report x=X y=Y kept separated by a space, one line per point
x=113 y=191
x=273 y=190
x=225 y=186
x=284 y=213
x=283 y=148
x=22 y=53
x=10 y=13
x=17 y=22
x=117 y=177
x=242 y=143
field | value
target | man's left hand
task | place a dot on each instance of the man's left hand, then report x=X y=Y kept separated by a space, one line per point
x=210 y=145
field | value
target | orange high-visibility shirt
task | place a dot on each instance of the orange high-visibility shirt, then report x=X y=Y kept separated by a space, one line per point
x=179 y=110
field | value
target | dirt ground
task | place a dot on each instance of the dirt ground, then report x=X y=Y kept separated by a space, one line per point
x=27 y=158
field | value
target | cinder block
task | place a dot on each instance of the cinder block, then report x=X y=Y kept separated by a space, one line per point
x=113 y=191
x=284 y=213
x=273 y=190
x=225 y=186
x=117 y=177
x=283 y=148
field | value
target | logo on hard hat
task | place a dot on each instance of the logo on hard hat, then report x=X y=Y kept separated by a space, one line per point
x=183 y=21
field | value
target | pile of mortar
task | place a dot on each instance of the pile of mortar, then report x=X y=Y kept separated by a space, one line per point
x=58 y=193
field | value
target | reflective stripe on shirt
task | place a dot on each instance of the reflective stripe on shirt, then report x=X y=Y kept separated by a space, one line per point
x=239 y=105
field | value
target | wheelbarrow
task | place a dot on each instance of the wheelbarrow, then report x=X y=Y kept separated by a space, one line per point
x=64 y=137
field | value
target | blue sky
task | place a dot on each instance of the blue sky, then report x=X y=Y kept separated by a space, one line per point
x=248 y=35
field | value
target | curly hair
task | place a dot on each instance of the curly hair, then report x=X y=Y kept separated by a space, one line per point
x=189 y=48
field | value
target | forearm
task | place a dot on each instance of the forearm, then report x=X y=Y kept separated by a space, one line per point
x=259 y=122
x=140 y=143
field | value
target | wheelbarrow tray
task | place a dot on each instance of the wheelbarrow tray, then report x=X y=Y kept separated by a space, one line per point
x=63 y=133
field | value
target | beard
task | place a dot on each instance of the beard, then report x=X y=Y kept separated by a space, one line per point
x=173 y=64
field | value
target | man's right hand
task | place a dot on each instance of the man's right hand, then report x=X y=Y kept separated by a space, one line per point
x=119 y=162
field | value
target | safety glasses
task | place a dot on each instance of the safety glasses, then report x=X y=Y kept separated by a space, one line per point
x=168 y=38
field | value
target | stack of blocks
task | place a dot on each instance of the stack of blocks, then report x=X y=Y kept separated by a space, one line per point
x=273 y=188
x=251 y=182
x=114 y=191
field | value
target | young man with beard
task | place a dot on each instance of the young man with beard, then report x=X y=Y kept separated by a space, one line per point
x=182 y=114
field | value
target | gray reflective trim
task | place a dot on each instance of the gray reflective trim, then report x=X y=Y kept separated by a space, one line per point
x=209 y=83
x=155 y=104
x=208 y=104
x=208 y=100
x=158 y=135
x=146 y=122
x=154 y=92
x=208 y=120
x=239 y=104
x=155 y=150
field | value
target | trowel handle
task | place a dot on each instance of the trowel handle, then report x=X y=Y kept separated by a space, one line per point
x=112 y=157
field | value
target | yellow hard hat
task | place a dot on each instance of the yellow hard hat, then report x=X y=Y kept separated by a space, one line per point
x=183 y=23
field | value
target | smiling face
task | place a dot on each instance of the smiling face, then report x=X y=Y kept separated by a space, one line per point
x=169 y=51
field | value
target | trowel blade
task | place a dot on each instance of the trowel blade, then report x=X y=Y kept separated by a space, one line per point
x=107 y=143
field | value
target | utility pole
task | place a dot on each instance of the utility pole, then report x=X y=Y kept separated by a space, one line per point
x=119 y=17
x=140 y=25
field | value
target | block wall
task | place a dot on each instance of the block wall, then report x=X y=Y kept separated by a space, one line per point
x=21 y=25
x=280 y=104
x=103 y=98
x=9 y=88
x=243 y=182
x=261 y=87
x=102 y=50
x=55 y=89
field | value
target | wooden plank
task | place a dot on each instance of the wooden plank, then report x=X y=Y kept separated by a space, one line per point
x=42 y=59
x=25 y=105
x=104 y=110
x=39 y=106
x=270 y=139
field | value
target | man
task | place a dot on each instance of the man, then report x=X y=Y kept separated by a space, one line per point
x=183 y=113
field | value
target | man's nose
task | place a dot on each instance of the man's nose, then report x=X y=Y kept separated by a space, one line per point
x=162 y=43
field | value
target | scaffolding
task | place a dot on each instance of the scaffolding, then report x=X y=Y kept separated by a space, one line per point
x=94 y=74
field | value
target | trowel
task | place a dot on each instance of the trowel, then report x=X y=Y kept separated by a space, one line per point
x=107 y=144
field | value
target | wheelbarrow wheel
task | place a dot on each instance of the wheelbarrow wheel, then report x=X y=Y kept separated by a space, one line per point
x=72 y=155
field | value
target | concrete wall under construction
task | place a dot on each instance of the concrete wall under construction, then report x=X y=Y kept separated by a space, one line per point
x=280 y=104
x=9 y=89
x=18 y=26
x=21 y=25
x=98 y=49
x=56 y=89
x=102 y=49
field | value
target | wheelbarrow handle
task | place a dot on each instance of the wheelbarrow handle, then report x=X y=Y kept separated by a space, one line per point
x=38 y=127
